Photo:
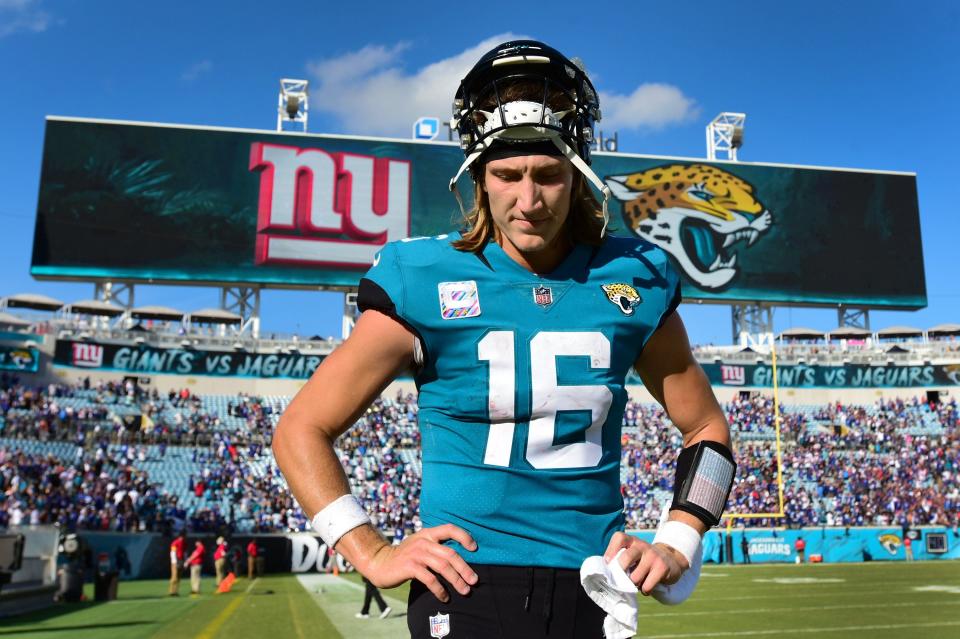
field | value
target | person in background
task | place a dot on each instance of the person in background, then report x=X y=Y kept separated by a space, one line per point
x=220 y=559
x=908 y=547
x=176 y=557
x=745 y=547
x=800 y=546
x=369 y=594
x=252 y=559
x=195 y=561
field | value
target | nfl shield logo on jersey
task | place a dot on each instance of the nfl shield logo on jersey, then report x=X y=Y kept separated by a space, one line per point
x=542 y=295
x=439 y=625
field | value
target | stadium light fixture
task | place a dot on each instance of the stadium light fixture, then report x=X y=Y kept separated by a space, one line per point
x=725 y=136
x=293 y=103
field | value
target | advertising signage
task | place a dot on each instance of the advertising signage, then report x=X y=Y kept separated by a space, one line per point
x=171 y=204
x=21 y=359
x=144 y=359
x=846 y=376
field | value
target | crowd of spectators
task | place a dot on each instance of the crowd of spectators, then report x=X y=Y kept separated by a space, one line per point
x=892 y=463
x=125 y=412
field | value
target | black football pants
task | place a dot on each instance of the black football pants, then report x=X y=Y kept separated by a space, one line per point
x=510 y=601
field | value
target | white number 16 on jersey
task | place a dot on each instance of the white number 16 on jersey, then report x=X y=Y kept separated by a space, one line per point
x=547 y=398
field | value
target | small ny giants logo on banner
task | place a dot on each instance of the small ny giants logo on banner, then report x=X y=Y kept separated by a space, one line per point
x=733 y=375
x=88 y=355
x=319 y=208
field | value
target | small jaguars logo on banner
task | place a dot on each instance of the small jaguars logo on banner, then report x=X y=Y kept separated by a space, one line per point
x=623 y=296
x=542 y=295
x=439 y=625
x=459 y=300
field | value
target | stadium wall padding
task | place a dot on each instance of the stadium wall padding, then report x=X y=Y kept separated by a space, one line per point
x=148 y=556
x=835 y=545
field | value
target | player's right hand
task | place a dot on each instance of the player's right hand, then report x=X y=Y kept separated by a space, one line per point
x=421 y=556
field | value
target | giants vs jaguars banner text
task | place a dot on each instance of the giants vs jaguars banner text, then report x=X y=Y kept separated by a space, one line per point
x=168 y=204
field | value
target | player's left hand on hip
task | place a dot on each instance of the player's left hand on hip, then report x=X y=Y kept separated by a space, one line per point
x=646 y=564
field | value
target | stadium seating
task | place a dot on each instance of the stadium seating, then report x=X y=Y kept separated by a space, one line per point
x=888 y=462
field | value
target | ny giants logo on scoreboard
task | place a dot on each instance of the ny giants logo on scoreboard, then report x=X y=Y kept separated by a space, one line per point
x=87 y=355
x=733 y=375
x=319 y=208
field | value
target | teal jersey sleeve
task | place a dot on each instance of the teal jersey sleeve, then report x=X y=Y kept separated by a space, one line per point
x=399 y=284
x=672 y=288
x=381 y=289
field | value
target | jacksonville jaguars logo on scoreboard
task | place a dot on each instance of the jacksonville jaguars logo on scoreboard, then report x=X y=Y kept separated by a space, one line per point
x=697 y=213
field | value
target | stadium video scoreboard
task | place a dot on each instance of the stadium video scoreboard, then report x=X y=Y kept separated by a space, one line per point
x=157 y=203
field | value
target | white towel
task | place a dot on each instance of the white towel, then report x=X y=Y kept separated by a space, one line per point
x=611 y=589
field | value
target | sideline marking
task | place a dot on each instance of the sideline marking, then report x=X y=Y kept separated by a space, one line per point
x=937 y=588
x=738 y=611
x=801 y=580
x=211 y=630
x=821 y=592
x=340 y=600
x=744 y=633
x=295 y=617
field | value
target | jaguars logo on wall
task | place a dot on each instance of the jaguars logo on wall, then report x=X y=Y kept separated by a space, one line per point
x=890 y=542
x=953 y=373
x=22 y=359
x=696 y=213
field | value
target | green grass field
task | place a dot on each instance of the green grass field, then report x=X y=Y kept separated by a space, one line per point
x=876 y=600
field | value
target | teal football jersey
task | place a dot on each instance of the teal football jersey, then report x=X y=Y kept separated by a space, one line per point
x=522 y=387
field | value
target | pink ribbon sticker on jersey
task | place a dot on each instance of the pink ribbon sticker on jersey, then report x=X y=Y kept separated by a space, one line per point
x=459 y=300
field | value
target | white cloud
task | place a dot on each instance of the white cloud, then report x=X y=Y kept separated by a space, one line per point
x=369 y=93
x=651 y=106
x=22 y=15
x=194 y=71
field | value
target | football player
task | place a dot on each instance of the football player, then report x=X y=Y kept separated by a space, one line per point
x=521 y=331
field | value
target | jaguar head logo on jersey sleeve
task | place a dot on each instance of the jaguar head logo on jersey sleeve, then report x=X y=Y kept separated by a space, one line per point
x=623 y=296
x=696 y=213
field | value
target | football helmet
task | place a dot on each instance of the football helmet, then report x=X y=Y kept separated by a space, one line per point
x=559 y=107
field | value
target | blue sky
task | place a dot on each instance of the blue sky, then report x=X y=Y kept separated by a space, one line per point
x=855 y=84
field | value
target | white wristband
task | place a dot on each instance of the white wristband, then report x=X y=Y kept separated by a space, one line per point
x=682 y=537
x=339 y=517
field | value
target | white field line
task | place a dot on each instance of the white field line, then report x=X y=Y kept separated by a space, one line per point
x=738 y=611
x=340 y=600
x=820 y=592
x=876 y=564
x=786 y=631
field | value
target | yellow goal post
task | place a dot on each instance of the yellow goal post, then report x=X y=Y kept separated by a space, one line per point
x=730 y=517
